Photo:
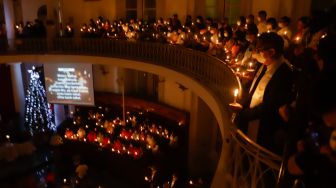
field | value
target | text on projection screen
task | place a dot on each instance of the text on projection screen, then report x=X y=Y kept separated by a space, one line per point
x=69 y=83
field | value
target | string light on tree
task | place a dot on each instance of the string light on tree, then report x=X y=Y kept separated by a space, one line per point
x=38 y=115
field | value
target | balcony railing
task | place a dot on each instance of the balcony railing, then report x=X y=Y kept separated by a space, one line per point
x=250 y=162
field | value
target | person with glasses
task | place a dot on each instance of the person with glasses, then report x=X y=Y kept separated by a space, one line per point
x=270 y=89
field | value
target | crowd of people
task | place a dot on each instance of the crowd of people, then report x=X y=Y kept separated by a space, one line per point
x=35 y=29
x=287 y=72
x=158 y=144
x=288 y=102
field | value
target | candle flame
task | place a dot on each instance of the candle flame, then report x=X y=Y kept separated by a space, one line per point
x=236 y=91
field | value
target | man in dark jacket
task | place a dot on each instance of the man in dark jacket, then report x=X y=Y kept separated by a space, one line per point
x=270 y=89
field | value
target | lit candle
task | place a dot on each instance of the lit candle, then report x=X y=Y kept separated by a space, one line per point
x=235 y=95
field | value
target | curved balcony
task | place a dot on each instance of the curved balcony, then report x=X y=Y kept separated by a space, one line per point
x=242 y=163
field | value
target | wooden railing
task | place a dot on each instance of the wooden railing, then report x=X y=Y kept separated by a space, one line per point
x=250 y=161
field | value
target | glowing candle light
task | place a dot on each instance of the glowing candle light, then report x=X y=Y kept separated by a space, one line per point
x=235 y=95
x=8 y=137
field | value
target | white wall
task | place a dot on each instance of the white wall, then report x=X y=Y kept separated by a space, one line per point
x=105 y=78
x=166 y=8
x=81 y=11
x=170 y=93
x=29 y=9
x=279 y=8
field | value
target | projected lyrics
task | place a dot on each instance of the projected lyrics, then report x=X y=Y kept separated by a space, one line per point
x=70 y=84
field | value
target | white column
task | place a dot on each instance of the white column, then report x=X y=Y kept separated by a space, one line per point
x=202 y=156
x=10 y=22
x=59 y=114
x=60 y=17
x=18 y=88
x=71 y=109
x=51 y=20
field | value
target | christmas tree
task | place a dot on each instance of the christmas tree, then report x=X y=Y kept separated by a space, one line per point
x=38 y=116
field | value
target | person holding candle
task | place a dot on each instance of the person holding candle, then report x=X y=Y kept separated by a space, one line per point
x=248 y=61
x=284 y=30
x=270 y=89
x=262 y=15
x=251 y=37
x=302 y=33
x=271 y=25
x=214 y=40
x=318 y=27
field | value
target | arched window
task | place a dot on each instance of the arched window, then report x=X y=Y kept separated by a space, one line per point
x=150 y=9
